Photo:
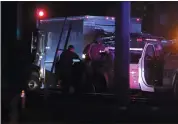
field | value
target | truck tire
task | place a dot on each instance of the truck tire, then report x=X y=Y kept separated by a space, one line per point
x=175 y=87
x=33 y=82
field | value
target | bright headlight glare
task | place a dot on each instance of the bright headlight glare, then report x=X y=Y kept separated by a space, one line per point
x=83 y=56
x=41 y=70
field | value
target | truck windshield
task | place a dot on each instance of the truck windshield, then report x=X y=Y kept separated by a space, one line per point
x=135 y=56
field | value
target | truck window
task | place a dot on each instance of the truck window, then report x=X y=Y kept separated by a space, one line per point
x=135 y=57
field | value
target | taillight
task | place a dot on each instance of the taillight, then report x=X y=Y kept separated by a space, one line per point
x=138 y=19
x=139 y=40
x=132 y=72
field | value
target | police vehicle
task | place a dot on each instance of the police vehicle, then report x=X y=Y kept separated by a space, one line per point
x=153 y=63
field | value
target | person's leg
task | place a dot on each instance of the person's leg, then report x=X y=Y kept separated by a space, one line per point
x=160 y=73
x=149 y=73
x=65 y=86
x=64 y=78
x=88 y=78
x=95 y=76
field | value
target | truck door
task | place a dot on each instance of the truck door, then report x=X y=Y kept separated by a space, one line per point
x=147 y=68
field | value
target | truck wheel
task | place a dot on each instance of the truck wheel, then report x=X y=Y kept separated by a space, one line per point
x=33 y=83
x=175 y=88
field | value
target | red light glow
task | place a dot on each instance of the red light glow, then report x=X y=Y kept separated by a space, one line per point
x=139 y=40
x=112 y=18
x=41 y=13
x=107 y=17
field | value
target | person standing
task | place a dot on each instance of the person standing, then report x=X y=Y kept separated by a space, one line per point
x=65 y=67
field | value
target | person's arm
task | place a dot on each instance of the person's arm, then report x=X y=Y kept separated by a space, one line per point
x=57 y=58
x=76 y=56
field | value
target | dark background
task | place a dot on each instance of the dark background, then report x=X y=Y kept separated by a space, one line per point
x=159 y=18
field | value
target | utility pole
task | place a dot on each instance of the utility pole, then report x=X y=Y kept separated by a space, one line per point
x=122 y=57
x=19 y=20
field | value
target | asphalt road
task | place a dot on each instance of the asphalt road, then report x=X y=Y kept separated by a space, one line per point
x=92 y=108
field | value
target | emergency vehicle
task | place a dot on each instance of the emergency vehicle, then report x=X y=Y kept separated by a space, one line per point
x=55 y=34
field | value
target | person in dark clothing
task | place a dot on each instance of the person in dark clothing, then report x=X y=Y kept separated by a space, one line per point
x=65 y=67
x=159 y=65
x=96 y=64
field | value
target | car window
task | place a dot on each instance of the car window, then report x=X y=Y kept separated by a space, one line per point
x=135 y=57
x=150 y=51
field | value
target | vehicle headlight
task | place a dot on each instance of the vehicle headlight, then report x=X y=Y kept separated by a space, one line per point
x=76 y=60
x=41 y=71
x=83 y=56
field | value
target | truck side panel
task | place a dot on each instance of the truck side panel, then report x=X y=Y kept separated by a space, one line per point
x=77 y=37
x=105 y=25
x=53 y=29
x=97 y=25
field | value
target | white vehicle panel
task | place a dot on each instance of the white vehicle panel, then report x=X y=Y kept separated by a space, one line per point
x=143 y=84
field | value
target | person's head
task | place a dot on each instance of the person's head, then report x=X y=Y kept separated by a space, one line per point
x=71 y=48
x=98 y=37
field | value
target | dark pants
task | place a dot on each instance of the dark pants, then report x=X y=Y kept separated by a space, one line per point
x=66 y=77
x=159 y=72
x=77 y=76
x=155 y=73
x=98 y=77
x=57 y=72
x=150 y=72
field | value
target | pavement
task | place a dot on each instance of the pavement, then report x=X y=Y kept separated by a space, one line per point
x=90 y=108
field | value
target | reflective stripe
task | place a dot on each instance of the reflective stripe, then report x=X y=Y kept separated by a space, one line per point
x=76 y=60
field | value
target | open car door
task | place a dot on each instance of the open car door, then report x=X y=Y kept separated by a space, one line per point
x=146 y=67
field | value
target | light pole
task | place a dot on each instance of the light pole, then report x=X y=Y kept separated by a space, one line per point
x=122 y=57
